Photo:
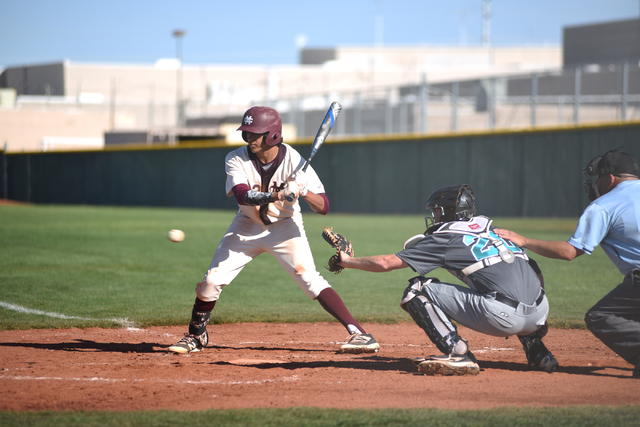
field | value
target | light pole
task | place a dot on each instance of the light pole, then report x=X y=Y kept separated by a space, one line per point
x=178 y=34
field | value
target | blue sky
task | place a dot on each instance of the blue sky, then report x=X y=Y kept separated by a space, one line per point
x=267 y=32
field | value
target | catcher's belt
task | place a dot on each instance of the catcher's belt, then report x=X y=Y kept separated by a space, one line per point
x=513 y=303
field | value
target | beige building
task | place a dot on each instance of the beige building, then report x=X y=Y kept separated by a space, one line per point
x=69 y=105
x=593 y=77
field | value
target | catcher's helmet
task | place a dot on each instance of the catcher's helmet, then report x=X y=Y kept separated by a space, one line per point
x=456 y=203
x=613 y=162
x=262 y=120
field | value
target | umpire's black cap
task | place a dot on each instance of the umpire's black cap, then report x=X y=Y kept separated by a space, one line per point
x=616 y=162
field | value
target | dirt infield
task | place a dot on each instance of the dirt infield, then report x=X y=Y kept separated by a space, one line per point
x=7 y=202
x=262 y=365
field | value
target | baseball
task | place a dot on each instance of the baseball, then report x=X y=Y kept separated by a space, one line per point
x=176 y=235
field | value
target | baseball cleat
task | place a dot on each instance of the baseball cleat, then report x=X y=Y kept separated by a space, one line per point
x=538 y=357
x=360 y=343
x=418 y=360
x=549 y=363
x=448 y=365
x=188 y=344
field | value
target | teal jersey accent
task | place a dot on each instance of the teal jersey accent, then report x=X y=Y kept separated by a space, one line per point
x=482 y=248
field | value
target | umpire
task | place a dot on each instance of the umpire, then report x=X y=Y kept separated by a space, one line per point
x=612 y=220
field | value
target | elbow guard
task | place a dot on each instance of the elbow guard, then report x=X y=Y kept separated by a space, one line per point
x=257 y=198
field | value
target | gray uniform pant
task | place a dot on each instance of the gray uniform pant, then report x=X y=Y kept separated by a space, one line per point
x=485 y=314
x=615 y=319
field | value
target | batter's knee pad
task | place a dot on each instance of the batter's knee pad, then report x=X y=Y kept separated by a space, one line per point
x=538 y=357
x=431 y=319
x=198 y=325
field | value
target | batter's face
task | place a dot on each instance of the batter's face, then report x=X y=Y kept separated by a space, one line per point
x=256 y=143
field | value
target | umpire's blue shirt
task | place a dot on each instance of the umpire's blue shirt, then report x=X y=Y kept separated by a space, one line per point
x=613 y=222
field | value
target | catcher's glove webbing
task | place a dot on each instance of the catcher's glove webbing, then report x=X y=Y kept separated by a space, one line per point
x=341 y=244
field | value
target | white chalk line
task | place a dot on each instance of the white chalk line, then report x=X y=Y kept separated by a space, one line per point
x=93 y=379
x=155 y=380
x=490 y=349
x=124 y=322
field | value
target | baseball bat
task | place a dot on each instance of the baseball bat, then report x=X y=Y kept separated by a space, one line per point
x=325 y=128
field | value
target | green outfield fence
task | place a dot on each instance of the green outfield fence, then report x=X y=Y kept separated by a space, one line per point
x=535 y=173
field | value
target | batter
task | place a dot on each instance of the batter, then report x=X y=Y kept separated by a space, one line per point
x=259 y=176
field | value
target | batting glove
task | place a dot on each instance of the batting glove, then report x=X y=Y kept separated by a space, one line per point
x=292 y=189
x=303 y=180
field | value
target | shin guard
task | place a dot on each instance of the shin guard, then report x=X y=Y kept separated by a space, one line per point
x=432 y=319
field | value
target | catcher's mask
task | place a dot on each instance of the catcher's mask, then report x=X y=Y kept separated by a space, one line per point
x=613 y=162
x=453 y=203
x=265 y=121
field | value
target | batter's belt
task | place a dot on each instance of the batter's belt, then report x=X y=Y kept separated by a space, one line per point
x=513 y=303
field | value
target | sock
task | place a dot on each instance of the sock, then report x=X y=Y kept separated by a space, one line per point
x=200 y=317
x=204 y=305
x=332 y=303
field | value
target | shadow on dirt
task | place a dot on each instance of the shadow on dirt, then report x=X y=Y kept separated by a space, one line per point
x=89 y=346
x=369 y=363
x=573 y=370
x=376 y=363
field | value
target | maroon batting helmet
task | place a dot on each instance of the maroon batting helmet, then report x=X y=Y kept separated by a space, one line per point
x=262 y=120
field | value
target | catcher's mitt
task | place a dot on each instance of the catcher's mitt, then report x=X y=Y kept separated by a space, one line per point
x=341 y=244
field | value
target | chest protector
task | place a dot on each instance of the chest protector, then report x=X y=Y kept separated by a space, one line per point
x=479 y=226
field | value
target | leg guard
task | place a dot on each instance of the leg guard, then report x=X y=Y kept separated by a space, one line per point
x=538 y=357
x=198 y=325
x=431 y=319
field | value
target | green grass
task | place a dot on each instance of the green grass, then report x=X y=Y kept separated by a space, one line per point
x=620 y=416
x=98 y=264
x=102 y=263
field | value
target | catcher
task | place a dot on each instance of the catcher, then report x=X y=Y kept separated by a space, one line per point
x=505 y=295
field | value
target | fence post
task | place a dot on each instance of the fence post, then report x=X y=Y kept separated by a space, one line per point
x=534 y=98
x=403 y=116
x=424 y=103
x=576 y=95
x=357 y=116
x=388 y=114
x=625 y=88
x=491 y=99
x=300 y=116
x=454 y=105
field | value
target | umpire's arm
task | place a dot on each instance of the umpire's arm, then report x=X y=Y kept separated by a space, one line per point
x=547 y=248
